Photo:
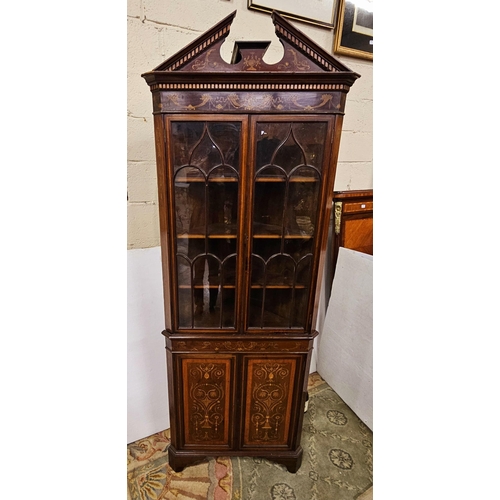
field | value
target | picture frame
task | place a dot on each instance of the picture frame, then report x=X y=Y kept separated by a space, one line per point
x=319 y=12
x=354 y=31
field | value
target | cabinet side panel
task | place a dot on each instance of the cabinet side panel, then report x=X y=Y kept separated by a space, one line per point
x=326 y=214
x=161 y=168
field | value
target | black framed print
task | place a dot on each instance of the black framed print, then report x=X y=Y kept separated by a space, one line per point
x=354 y=32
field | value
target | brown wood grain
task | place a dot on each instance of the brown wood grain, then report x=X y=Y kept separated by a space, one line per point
x=269 y=396
x=359 y=235
x=238 y=388
x=355 y=230
x=206 y=388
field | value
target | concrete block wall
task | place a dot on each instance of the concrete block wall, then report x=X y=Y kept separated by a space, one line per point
x=156 y=30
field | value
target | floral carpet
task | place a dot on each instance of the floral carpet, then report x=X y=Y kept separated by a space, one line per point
x=337 y=463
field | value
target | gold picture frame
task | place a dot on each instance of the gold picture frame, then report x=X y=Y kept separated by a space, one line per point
x=354 y=31
x=318 y=12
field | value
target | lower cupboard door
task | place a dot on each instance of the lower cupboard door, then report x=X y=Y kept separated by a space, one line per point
x=207 y=400
x=271 y=396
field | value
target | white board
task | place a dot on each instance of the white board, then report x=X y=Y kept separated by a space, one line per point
x=345 y=344
x=147 y=398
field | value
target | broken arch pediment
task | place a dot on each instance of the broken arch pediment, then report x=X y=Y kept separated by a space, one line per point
x=301 y=54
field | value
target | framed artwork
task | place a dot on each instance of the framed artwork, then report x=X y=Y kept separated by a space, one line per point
x=319 y=12
x=354 y=32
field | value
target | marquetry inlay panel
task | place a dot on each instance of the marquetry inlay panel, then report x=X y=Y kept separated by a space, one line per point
x=206 y=387
x=269 y=393
x=240 y=346
x=268 y=102
x=326 y=65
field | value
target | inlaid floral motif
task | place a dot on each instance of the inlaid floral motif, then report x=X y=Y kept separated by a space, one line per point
x=270 y=385
x=150 y=478
x=206 y=402
x=250 y=101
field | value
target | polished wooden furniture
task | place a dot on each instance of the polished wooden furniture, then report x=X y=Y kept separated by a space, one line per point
x=246 y=157
x=353 y=222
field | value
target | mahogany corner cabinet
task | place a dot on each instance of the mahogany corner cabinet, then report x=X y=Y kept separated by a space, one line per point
x=246 y=155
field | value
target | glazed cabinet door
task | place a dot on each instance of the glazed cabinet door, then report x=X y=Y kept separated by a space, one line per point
x=206 y=400
x=271 y=400
x=289 y=158
x=206 y=157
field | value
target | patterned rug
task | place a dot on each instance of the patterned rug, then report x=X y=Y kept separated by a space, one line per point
x=337 y=463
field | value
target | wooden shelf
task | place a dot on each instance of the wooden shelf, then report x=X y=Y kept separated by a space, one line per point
x=287 y=236
x=187 y=180
x=234 y=236
x=254 y=287
x=201 y=287
x=278 y=287
x=292 y=179
x=210 y=236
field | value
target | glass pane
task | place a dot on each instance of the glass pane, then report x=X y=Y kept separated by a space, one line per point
x=271 y=307
x=185 y=135
x=228 y=277
x=311 y=138
x=189 y=202
x=269 y=137
x=269 y=202
x=299 y=310
x=289 y=155
x=287 y=187
x=222 y=206
x=290 y=144
x=280 y=270
x=206 y=184
x=303 y=274
x=205 y=154
x=226 y=138
x=303 y=201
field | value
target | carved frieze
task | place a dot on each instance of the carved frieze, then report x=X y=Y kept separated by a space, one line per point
x=237 y=102
x=240 y=346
